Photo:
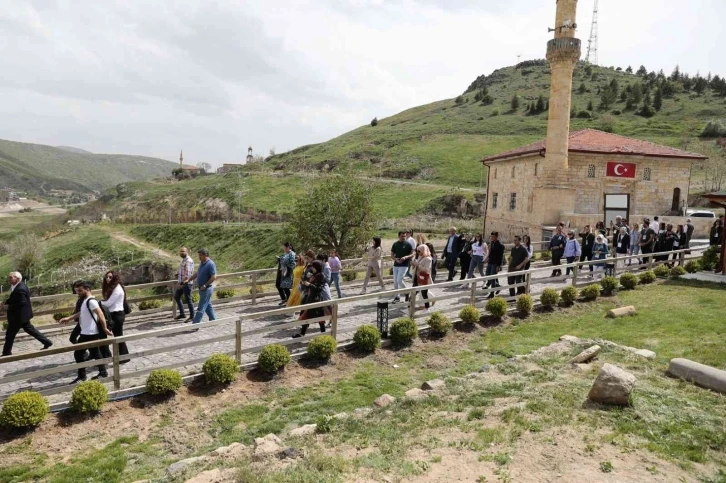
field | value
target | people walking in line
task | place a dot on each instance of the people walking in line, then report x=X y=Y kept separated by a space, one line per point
x=599 y=252
x=114 y=299
x=621 y=244
x=434 y=260
x=572 y=251
x=451 y=252
x=313 y=287
x=479 y=250
x=588 y=241
x=647 y=240
x=285 y=266
x=655 y=224
x=422 y=271
x=518 y=258
x=184 y=283
x=373 y=266
x=402 y=254
x=93 y=326
x=494 y=262
x=634 y=242
x=295 y=298
x=465 y=256
x=557 y=248
x=669 y=243
x=206 y=275
x=19 y=313
x=335 y=268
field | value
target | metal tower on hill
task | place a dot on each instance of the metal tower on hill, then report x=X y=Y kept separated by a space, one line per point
x=591 y=57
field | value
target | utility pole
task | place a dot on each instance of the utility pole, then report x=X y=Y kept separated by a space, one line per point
x=591 y=57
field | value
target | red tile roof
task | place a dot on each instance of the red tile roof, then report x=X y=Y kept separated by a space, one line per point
x=594 y=141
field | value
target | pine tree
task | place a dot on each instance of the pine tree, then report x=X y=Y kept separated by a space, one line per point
x=676 y=75
x=582 y=89
x=642 y=71
x=629 y=70
x=700 y=85
x=589 y=106
x=515 y=102
x=658 y=100
x=540 y=104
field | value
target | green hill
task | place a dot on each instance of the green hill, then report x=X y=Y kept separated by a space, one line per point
x=441 y=142
x=36 y=168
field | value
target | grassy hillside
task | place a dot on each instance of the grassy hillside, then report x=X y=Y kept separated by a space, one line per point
x=442 y=142
x=37 y=168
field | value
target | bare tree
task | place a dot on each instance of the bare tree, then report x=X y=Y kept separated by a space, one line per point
x=204 y=166
x=26 y=251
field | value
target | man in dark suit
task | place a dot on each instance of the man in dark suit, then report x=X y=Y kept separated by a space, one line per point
x=453 y=247
x=19 y=313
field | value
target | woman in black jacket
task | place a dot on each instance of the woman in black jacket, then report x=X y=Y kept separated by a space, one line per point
x=313 y=285
x=621 y=242
x=680 y=241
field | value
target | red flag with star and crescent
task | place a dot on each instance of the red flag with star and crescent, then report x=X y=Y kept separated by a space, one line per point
x=621 y=170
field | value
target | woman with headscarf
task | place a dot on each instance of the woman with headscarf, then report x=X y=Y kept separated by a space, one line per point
x=285 y=266
x=313 y=286
x=599 y=252
x=295 y=298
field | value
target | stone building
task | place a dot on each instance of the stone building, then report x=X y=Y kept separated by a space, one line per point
x=607 y=175
x=583 y=177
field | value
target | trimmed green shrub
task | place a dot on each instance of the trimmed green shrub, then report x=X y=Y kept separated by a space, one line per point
x=662 y=271
x=545 y=255
x=325 y=424
x=549 y=297
x=195 y=297
x=322 y=347
x=525 y=304
x=569 y=295
x=647 y=277
x=350 y=276
x=220 y=369
x=273 y=357
x=609 y=284
x=61 y=315
x=497 y=307
x=439 y=323
x=591 y=292
x=692 y=266
x=367 y=338
x=403 y=331
x=163 y=381
x=226 y=293
x=469 y=315
x=495 y=112
x=150 y=304
x=25 y=409
x=677 y=272
x=88 y=397
x=709 y=258
x=629 y=280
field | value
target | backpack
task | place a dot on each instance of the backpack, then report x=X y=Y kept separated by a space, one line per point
x=127 y=309
x=106 y=315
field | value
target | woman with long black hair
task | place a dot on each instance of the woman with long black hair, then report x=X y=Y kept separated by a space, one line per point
x=313 y=286
x=114 y=299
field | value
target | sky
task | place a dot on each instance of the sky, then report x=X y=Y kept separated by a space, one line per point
x=214 y=77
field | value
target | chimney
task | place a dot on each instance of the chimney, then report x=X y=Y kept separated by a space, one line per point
x=563 y=52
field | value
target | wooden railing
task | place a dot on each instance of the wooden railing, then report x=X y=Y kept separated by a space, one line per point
x=474 y=294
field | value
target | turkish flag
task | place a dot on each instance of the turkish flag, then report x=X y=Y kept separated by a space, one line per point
x=621 y=170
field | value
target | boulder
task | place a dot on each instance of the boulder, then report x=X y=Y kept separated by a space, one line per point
x=433 y=385
x=361 y=412
x=416 y=393
x=621 y=312
x=384 y=401
x=641 y=352
x=268 y=445
x=341 y=416
x=586 y=355
x=234 y=449
x=181 y=465
x=212 y=476
x=699 y=374
x=612 y=386
x=305 y=430
x=571 y=338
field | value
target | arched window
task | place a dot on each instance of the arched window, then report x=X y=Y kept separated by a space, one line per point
x=676 y=205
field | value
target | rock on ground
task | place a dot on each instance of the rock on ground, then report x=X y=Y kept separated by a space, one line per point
x=384 y=401
x=621 y=312
x=416 y=393
x=612 y=386
x=268 y=445
x=214 y=476
x=700 y=374
x=586 y=355
x=234 y=449
x=433 y=385
x=304 y=430
x=180 y=466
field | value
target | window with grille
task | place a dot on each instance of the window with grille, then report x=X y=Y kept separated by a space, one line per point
x=495 y=197
x=513 y=201
x=646 y=174
x=591 y=171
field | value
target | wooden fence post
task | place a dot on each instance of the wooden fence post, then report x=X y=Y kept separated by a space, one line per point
x=528 y=281
x=253 y=290
x=412 y=304
x=116 y=367
x=238 y=341
x=172 y=287
x=575 y=270
x=334 y=322
x=472 y=296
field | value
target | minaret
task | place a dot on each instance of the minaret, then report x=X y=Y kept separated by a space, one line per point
x=563 y=52
x=181 y=160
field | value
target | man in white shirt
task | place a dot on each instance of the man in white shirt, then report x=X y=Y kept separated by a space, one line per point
x=93 y=327
x=655 y=225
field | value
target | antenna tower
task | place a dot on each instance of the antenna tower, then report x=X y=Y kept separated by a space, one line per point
x=591 y=57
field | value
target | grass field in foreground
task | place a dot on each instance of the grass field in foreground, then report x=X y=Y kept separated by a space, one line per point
x=674 y=430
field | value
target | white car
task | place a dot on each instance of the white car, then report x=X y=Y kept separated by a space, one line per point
x=701 y=214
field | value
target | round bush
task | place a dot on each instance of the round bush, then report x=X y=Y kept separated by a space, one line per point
x=367 y=338
x=322 y=347
x=549 y=297
x=546 y=255
x=609 y=284
x=403 y=331
x=273 y=357
x=163 y=381
x=647 y=277
x=25 y=409
x=692 y=266
x=150 y=304
x=677 y=272
x=525 y=304
x=220 y=369
x=497 y=307
x=88 y=397
x=629 y=280
x=225 y=293
x=439 y=323
x=709 y=258
x=569 y=295
x=349 y=276
x=61 y=315
x=469 y=315
x=591 y=292
x=662 y=271
x=195 y=297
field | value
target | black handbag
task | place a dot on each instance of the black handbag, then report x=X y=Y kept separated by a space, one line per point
x=127 y=308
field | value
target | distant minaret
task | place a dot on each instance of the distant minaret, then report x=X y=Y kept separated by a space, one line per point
x=181 y=160
x=249 y=154
x=563 y=52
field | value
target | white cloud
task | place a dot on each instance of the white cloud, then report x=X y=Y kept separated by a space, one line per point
x=213 y=78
